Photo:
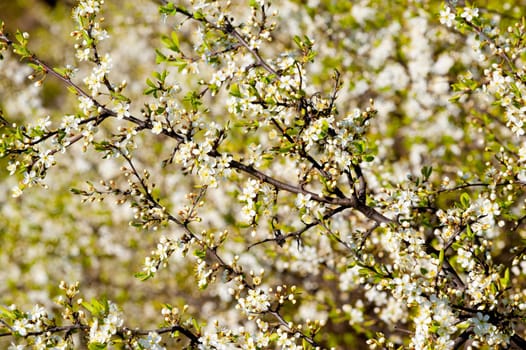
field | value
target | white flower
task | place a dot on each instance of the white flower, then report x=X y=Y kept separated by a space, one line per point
x=203 y=274
x=470 y=13
x=114 y=319
x=349 y=278
x=480 y=323
x=447 y=17
x=30 y=178
x=250 y=190
x=157 y=127
x=150 y=265
x=104 y=66
x=94 y=83
x=70 y=123
x=207 y=175
x=98 y=33
x=98 y=335
x=87 y=7
x=12 y=166
x=256 y=301
x=86 y=105
x=465 y=259
x=303 y=201
x=151 y=342
x=248 y=211
x=101 y=334
x=83 y=54
x=121 y=108
x=47 y=159
x=44 y=123
x=37 y=313
x=16 y=192
x=21 y=327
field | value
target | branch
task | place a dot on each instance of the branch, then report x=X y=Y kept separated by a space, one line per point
x=194 y=339
x=231 y=30
x=50 y=330
x=286 y=325
x=297 y=234
x=227 y=29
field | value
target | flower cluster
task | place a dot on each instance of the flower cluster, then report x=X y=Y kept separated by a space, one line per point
x=102 y=332
x=257 y=301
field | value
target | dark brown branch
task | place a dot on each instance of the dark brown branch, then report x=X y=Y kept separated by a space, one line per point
x=231 y=30
x=286 y=325
x=194 y=339
x=361 y=188
x=51 y=330
x=352 y=202
x=297 y=234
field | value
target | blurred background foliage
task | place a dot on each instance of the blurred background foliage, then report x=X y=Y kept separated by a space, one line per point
x=48 y=238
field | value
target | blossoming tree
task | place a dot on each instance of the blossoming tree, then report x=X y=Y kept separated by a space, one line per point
x=294 y=175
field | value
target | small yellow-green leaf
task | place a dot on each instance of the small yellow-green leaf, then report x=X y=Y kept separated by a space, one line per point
x=505 y=281
x=465 y=200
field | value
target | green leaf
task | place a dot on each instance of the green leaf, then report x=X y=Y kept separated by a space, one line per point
x=171 y=42
x=20 y=38
x=193 y=98
x=151 y=91
x=469 y=232
x=455 y=98
x=234 y=91
x=96 y=308
x=505 y=281
x=97 y=346
x=119 y=97
x=4 y=312
x=21 y=51
x=61 y=71
x=426 y=172
x=465 y=200
x=198 y=15
x=143 y=276
x=307 y=41
x=196 y=325
x=286 y=148
x=168 y=9
x=159 y=56
x=150 y=83
x=77 y=191
x=298 y=42
x=360 y=146
x=101 y=146
x=463 y=325
x=200 y=253
x=175 y=41
x=457 y=246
